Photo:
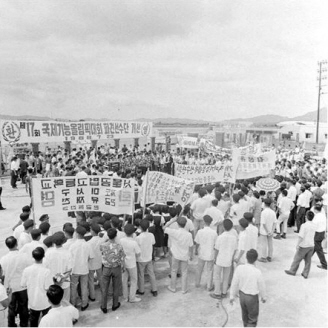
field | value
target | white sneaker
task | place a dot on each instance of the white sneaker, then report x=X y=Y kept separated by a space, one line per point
x=136 y=300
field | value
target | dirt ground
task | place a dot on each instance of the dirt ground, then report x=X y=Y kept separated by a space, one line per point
x=292 y=301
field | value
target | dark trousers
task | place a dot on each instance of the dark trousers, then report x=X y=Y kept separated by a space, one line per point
x=13 y=179
x=18 y=304
x=114 y=274
x=35 y=316
x=303 y=253
x=249 y=308
x=318 y=238
x=300 y=218
x=292 y=216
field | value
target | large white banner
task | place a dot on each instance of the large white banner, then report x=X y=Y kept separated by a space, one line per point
x=210 y=147
x=202 y=174
x=12 y=132
x=94 y=193
x=160 y=187
x=187 y=142
x=253 y=164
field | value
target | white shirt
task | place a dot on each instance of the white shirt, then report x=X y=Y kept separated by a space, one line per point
x=302 y=200
x=82 y=174
x=28 y=248
x=308 y=195
x=96 y=262
x=81 y=252
x=320 y=222
x=226 y=244
x=13 y=265
x=198 y=208
x=69 y=243
x=61 y=316
x=285 y=205
x=37 y=278
x=223 y=206
x=248 y=279
x=181 y=241
x=292 y=192
x=307 y=232
x=268 y=218
x=131 y=250
x=58 y=260
x=145 y=241
x=251 y=237
x=236 y=213
x=18 y=231
x=216 y=215
x=24 y=238
x=3 y=296
x=206 y=239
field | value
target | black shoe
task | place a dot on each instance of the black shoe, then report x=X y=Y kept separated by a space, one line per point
x=103 y=309
x=322 y=267
x=114 y=308
x=269 y=259
x=2 y=209
x=139 y=293
x=74 y=321
x=290 y=273
x=83 y=308
x=92 y=299
x=179 y=275
x=154 y=293
x=296 y=231
x=303 y=276
x=277 y=237
x=283 y=236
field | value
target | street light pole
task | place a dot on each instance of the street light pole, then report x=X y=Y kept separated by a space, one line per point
x=321 y=63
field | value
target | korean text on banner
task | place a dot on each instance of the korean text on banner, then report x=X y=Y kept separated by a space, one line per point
x=202 y=174
x=94 y=193
x=187 y=142
x=12 y=132
x=160 y=187
x=253 y=165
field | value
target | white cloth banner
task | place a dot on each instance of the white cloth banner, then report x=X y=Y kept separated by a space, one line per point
x=210 y=147
x=160 y=187
x=94 y=193
x=252 y=165
x=12 y=132
x=187 y=142
x=202 y=174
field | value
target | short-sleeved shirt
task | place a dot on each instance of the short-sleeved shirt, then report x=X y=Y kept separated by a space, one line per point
x=61 y=316
x=81 y=253
x=112 y=254
x=181 y=240
x=307 y=232
x=226 y=244
x=198 y=207
x=145 y=241
x=268 y=218
x=206 y=239
x=131 y=249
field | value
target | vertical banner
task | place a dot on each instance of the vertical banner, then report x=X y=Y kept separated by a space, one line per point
x=94 y=193
x=160 y=187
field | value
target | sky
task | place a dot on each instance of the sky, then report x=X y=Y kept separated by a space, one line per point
x=206 y=60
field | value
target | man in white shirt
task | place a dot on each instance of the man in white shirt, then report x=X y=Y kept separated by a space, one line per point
x=81 y=253
x=58 y=260
x=251 y=232
x=305 y=247
x=146 y=241
x=268 y=223
x=285 y=205
x=215 y=214
x=4 y=302
x=320 y=222
x=224 y=252
x=240 y=257
x=182 y=249
x=236 y=211
x=58 y=315
x=20 y=228
x=12 y=266
x=132 y=252
x=37 y=279
x=205 y=241
x=69 y=235
x=303 y=202
x=82 y=173
x=198 y=208
x=28 y=248
x=25 y=236
x=248 y=281
x=292 y=194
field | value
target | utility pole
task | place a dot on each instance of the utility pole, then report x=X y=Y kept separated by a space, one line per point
x=320 y=77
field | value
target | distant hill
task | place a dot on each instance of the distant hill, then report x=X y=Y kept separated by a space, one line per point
x=312 y=116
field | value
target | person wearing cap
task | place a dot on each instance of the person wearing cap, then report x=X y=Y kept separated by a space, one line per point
x=25 y=236
x=305 y=247
x=48 y=243
x=95 y=264
x=205 y=241
x=240 y=257
x=252 y=232
x=285 y=206
x=268 y=224
x=182 y=251
x=25 y=210
x=45 y=228
x=249 y=284
x=12 y=266
x=28 y=248
x=132 y=252
x=58 y=260
x=146 y=242
x=58 y=315
x=37 y=279
x=224 y=251
x=44 y=218
x=81 y=253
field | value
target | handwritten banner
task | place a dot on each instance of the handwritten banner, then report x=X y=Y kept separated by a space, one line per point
x=209 y=147
x=202 y=174
x=94 y=193
x=160 y=187
x=187 y=142
x=12 y=132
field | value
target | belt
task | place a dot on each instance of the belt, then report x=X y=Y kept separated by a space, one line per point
x=112 y=266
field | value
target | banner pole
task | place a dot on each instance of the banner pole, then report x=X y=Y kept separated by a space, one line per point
x=144 y=194
x=32 y=199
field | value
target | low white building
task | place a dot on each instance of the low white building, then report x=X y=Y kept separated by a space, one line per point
x=302 y=131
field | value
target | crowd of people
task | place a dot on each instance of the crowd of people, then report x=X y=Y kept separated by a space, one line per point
x=226 y=227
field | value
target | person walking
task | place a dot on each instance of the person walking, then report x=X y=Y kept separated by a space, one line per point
x=320 y=222
x=305 y=247
x=249 y=284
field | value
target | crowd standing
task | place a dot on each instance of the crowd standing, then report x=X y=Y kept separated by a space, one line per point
x=227 y=227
